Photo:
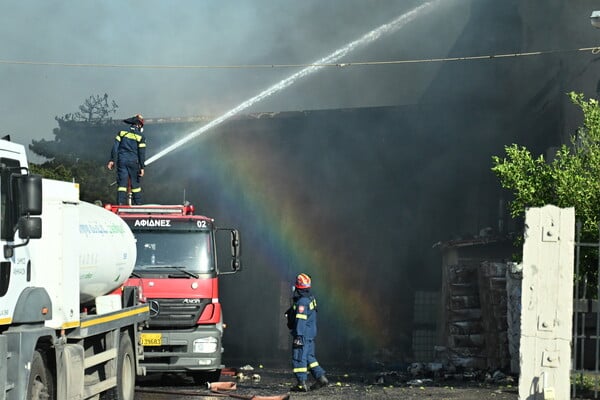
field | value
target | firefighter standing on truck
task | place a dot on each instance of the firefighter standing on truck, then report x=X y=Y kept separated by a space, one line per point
x=129 y=153
x=302 y=322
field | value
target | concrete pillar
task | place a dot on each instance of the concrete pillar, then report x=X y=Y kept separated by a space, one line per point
x=547 y=303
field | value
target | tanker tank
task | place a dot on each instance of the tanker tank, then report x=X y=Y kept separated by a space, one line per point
x=85 y=252
x=107 y=252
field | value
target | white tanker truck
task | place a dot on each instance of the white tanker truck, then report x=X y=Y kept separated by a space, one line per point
x=61 y=336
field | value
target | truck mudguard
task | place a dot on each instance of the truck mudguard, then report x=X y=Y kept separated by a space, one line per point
x=31 y=301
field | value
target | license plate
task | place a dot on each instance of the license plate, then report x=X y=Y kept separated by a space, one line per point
x=151 y=339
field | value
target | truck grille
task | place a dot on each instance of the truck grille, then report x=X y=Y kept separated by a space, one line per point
x=175 y=313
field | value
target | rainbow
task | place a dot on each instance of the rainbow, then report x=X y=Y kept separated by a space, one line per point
x=248 y=168
x=295 y=242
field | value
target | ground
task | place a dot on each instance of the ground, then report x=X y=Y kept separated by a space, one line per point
x=274 y=383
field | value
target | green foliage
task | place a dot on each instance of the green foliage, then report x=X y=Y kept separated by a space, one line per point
x=584 y=383
x=51 y=171
x=570 y=179
x=95 y=181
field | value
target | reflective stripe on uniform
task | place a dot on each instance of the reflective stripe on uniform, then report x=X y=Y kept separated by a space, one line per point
x=130 y=135
x=312 y=365
x=301 y=316
x=303 y=369
x=122 y=189
x=136 y=190
x=142 y=145
x=313 y=304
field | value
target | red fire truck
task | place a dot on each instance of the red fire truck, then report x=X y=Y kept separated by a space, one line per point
x=177 y=269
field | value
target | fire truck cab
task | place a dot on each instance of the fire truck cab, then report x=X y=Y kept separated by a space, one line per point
x=177 y=269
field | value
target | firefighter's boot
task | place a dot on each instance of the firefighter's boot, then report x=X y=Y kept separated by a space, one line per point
x=321 y=382
x=300 y=386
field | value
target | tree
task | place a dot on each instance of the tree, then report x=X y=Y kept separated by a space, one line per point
x=80 y=134
x=571 y=179
x=74 y=153
x=96 y=109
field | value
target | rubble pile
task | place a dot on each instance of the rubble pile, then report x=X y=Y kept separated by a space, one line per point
x=465 y=343
x=437 y=374
x=476 y=324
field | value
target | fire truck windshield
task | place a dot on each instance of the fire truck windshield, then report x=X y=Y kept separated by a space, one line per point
x=189 y=251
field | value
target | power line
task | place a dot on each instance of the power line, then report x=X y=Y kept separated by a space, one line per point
x=593 y=50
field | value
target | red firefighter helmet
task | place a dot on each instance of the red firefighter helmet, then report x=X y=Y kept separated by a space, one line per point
x=302 y=281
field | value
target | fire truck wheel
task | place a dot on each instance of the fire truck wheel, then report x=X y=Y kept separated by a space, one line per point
x=125 y=369
x=41 y=385
x=201 y=378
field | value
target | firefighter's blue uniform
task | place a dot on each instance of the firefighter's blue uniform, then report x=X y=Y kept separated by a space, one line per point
x=129 y=152
x=304 y=331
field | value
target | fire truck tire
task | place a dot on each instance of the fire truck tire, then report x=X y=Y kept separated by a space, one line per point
x=201 y=378
x=41 y=384
x=125 y=369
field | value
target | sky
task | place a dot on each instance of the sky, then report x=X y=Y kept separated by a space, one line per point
x=161 y=33
x=183 y=33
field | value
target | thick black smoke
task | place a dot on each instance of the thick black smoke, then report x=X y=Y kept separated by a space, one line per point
x=407 y=165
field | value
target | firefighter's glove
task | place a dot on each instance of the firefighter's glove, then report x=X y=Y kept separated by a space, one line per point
x=298 y=342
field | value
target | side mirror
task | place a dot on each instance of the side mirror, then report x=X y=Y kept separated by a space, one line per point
x=235 y=243
x=236 y=249
x=30 y=228
x=29 y=193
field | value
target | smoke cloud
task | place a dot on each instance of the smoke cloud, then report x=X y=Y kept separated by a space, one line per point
x=190 y=33
x=359 y=196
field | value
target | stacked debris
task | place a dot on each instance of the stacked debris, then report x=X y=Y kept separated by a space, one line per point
x=492 y=297
x=474 y=294
x=465 y=337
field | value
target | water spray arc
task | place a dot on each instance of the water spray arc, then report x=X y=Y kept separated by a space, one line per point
x=367 y=38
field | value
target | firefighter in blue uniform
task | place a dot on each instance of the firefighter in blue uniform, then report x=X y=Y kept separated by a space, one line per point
x=129 y=153
x=302 y=322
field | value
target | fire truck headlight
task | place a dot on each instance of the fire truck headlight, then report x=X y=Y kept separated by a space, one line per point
x=205 y=345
